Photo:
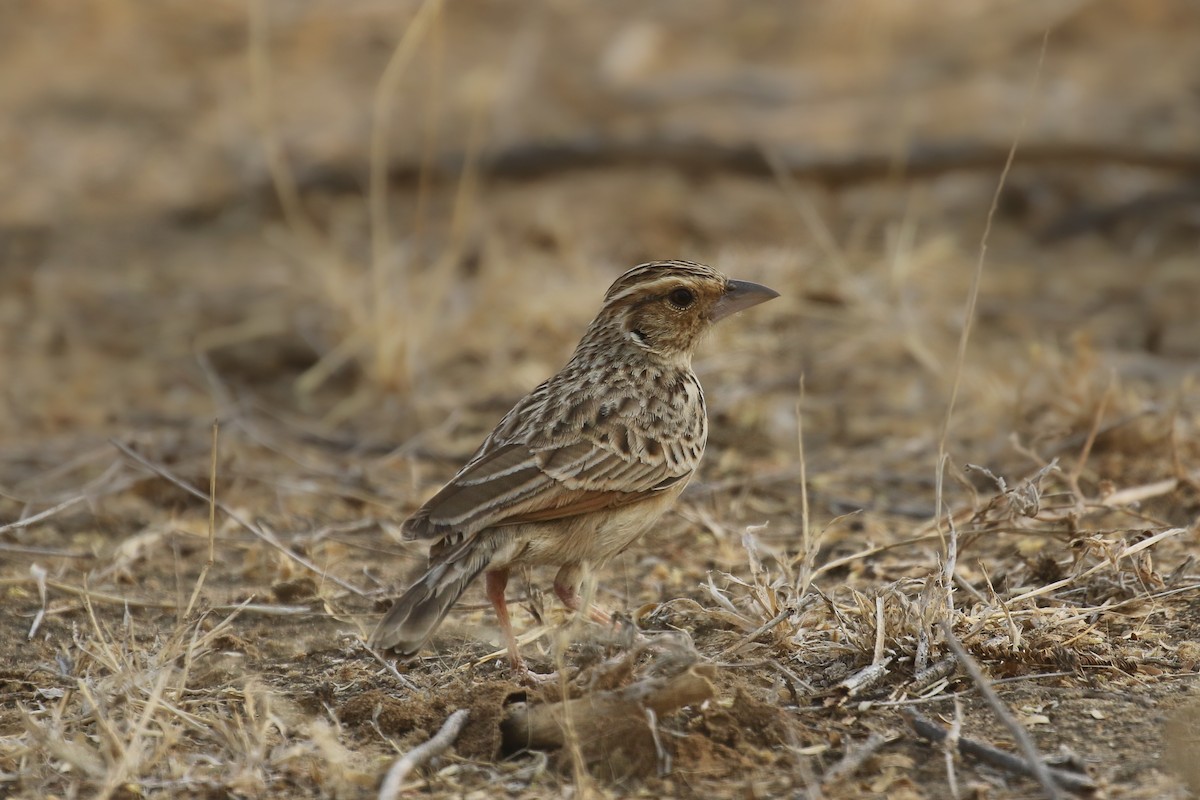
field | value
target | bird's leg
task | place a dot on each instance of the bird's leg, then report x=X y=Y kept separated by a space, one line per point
x=566 y=586
x=497 y=582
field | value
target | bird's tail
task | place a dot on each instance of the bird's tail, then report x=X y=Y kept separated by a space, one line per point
x=414 y=617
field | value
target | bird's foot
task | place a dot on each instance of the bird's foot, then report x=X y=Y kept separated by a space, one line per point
x=527 y=677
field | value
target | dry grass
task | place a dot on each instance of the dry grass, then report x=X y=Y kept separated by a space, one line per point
x=186 y=615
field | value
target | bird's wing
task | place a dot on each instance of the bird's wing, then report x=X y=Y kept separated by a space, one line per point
x=520 y=482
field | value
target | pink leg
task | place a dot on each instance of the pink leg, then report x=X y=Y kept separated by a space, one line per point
x=497 y=582
x=566 y=586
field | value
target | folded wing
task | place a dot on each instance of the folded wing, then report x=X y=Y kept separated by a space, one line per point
x=519 y=482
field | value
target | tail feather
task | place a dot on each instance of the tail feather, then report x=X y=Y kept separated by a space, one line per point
x=416 y=615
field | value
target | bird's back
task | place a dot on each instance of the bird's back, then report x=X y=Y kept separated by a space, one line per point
x=595 y=436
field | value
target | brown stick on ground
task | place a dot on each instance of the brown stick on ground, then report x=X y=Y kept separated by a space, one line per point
x=1037 y=767
x=1071 y=781
x=609 y=726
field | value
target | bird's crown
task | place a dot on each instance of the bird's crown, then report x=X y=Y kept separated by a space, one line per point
x=663 y=308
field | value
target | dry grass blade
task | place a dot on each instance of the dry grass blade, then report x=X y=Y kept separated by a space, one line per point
x=809 y=544
x=282 y=179
x=767 y=626
x=951 y=546
x=39 y=575
x=383 y=314
x=1131 y=550
x=75 y=754
x=42 y=515
x=50 y=552
x=263 y=534
x=1132 y=495
x=212 y=523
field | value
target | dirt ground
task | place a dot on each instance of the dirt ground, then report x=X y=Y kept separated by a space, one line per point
x=352 y=235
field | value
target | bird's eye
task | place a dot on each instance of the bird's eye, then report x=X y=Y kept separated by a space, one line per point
x=681 y=298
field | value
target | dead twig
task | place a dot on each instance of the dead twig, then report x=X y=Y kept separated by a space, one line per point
x=441 y=740
x=390 y=667
x=933 y=673
x=1071 y=781
x=950 y=543
x=769 y=625
x=880 y=632
x=1037 y=767
x=866 y=678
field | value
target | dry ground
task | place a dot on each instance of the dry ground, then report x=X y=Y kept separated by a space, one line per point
x=185 y=236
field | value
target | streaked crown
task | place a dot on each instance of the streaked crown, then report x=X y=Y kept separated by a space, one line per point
x=663 y=308
x=658 y=275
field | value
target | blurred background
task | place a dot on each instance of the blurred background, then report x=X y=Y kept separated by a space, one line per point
x=381 y=207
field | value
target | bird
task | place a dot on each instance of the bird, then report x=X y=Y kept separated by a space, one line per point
x=584 y=464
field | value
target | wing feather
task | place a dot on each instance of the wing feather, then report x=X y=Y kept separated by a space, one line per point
x=599 y=454
x=518 y=483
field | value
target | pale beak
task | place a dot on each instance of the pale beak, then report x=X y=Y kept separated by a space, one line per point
x=740 y=295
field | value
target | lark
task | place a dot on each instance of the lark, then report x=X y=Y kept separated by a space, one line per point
x=582 y=466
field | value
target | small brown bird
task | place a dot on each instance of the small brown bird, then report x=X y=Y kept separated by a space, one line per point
x=585 y=463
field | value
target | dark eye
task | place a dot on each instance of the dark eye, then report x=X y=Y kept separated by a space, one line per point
x=681 y=298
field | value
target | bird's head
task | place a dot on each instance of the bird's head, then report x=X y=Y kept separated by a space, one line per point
x=666 y=307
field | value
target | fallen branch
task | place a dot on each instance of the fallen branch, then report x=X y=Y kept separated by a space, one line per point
x=1071 y=781
x=604 y=720
x=535 y=159
x=924 y=159
x=441 y=740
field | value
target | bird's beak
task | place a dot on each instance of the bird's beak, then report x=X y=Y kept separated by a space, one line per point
x=740 y=295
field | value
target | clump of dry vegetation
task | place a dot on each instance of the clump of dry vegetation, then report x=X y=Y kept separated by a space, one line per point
x=863 y=594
